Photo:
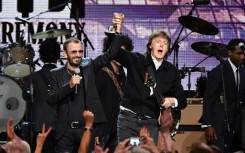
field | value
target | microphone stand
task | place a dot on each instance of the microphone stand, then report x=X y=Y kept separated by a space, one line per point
x=31 y=103
x=86 y=39
x=176 y=46
x=55 y=7
x=227 y=123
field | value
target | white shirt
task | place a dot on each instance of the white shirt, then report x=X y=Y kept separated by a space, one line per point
x=234 y=68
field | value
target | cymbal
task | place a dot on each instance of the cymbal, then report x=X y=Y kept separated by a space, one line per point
x=52 y=33
x=198 y=25
x=210 y=48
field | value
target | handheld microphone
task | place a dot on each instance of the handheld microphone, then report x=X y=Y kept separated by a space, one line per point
x=200 y=2
x=77 y=72
x=242 y=46
x=21 y=19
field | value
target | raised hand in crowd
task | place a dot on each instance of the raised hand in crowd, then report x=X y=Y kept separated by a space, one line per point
x=123 y=146
x=41 y=137
x=166 y=122
x=86 y=137
x=10 y=130
x=15 y=144
x=146 y=141
x=99 y=149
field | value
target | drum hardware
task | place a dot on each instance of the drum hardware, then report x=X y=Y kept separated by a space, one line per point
x=188 y=70
x=52 y=33
x=80 y=30
x=200 y=86
x=195 y=25
x=210 y=48
x=198 y=25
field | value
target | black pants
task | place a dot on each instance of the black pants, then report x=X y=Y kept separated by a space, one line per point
x=70 y=141
x=129 y=125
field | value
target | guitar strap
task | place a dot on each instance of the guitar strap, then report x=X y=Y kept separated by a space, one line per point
x=105 y=138
x=152 y=74
x=114 y=79
x=176 y=113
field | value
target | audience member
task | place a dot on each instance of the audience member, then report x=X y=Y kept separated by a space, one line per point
x=86 y=137
x=200 y=148
x=41 y=138
x=14 y=143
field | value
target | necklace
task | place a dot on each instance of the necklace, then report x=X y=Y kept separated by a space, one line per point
x=69 y=72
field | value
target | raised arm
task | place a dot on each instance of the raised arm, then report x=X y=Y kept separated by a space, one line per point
x=116 y=43
x=86 y=137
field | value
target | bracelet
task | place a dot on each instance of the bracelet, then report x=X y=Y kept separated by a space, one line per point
x=88 y=129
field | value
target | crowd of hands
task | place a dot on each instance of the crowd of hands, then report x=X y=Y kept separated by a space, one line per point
x=165 y=142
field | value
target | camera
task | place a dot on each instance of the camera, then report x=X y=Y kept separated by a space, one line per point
x=134 y=141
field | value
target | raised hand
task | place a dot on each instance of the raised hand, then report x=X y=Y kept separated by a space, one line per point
x=41 y=137
x=88 y=118
x=117 y=21
x=10 y=130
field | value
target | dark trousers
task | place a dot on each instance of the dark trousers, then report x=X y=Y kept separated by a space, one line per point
x=228 y=143
x=70 y=141
x=129 y=125
x=112 y=142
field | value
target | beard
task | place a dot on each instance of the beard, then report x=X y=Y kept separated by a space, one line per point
x=74 y=64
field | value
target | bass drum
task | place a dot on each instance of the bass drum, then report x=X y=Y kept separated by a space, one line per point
x=11 y=102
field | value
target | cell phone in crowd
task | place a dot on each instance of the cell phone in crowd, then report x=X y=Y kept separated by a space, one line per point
x=134 y=141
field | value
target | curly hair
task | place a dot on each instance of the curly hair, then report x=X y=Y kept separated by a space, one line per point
x=127 y=43
x=49 y=51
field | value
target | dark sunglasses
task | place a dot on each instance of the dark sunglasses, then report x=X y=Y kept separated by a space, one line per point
x=76 y=51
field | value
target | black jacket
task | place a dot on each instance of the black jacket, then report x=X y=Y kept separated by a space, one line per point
x=42 y=112
x=137 y=95
x=213 y=106
x=67 y=102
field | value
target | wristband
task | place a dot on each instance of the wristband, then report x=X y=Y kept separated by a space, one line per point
x=88 y=129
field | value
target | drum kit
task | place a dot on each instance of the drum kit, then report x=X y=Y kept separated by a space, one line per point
x=211 y=49
x=16 y=62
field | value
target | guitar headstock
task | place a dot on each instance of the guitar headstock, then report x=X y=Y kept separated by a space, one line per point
x=150 y=82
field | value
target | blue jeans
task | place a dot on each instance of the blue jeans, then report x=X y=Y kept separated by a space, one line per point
x=129 y=125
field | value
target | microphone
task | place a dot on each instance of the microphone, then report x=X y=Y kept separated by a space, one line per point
x=77 y=72
x=23 y=20
x=242 y=46
x=200 y=2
